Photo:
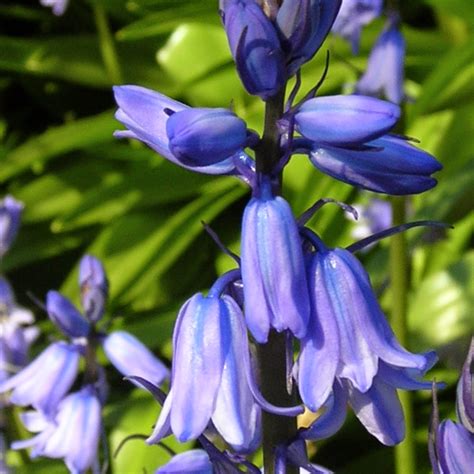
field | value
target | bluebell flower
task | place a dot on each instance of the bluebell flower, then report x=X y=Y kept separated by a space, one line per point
x=66 y=316
x=94 y=287
x=385 y=71
x=145 y=113
x=58 y=6
x=255 y=46
x=387 y=165
x=353 y=15
x=130 y=357
x=195 y=461
x=72 y=434
x=203 y=137
x=10 y=215
x=273 y=271
x=348 y=334
x=303 y=26
x=45 y=381
x=344 y=120
x=209 y=379
x=451 y=444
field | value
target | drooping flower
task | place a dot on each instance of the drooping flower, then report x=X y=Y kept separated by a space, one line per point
x=353 y=15
x=344 y=120
x=130 y=357
x=195 y=461
x=385 y=71
x=348 y=334
x=58 y=6
x=273 y=272
x=72 y=434
x=10 y=214
x=94 y=287
x=303 y=26
x=255 y=46
x=66 y=316
x=45 y=381
x=146 y=113
x=209 y=379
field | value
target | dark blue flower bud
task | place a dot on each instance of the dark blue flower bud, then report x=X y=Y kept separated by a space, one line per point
x=10 y=214
x=202 y=137
x=392 y=166
x=94 y=287
x=345 y=119
x=255 y=46
x=386 y=67
x=303 y=25
x=65 y=315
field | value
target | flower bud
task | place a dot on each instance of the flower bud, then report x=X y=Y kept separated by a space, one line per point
x=255 y=46
x=65 y=315
x=94 y=287
x=192 y=462
x=202 y=137
x=10 y=214
x=345 y=119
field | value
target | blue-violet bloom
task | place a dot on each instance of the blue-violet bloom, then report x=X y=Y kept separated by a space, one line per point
x=45 y=381
x=385 y=71
x=195 y=461
x=353 y=15
x=73 y=434
x=209 y=380
x=273 y=271
x=10 y=215
x=131 y=357
x=255 y=46
x=94 y=287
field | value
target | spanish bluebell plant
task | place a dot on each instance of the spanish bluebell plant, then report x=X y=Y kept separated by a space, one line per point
x=61 y=417
x=233 y=368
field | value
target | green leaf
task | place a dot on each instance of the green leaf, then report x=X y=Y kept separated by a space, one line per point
x=441 y=309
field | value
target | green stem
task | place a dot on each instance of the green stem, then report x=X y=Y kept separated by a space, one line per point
x=272 y=356
x=405 y=460
x=107 y=45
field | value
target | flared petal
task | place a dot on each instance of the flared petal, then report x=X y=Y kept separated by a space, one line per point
x=162 y=428
x=66 y=316
x=455 y=448
x=144 y=113
x=380 y=411
x=465 y=392
x=255 y=46
x=130 y=357
x=202 y=137
x=345 y=119
x=45 y=381
x=201 y=340
x=273 y=271
x=236 y=416
x=392 y=166
x=333 y=417
x=195 y=461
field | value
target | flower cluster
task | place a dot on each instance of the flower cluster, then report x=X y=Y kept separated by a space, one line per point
x=61 y=417
x=287 y=281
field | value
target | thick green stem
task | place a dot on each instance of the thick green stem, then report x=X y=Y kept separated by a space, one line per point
x=107 y=45
x=405 y=460
x=272 y=356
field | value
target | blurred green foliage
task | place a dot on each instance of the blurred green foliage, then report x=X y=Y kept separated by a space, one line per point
x=86 y=192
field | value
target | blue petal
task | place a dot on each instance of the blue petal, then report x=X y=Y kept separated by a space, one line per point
x=10 y=215
x=65 y=315
x=345 y=119
x=273 y=272
x=392 y=167
x=94 y=287
x=455 y=448
x=255 y=46
x=195 y=461
x=130 y=357
x=380 y=411
x=201 y=344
